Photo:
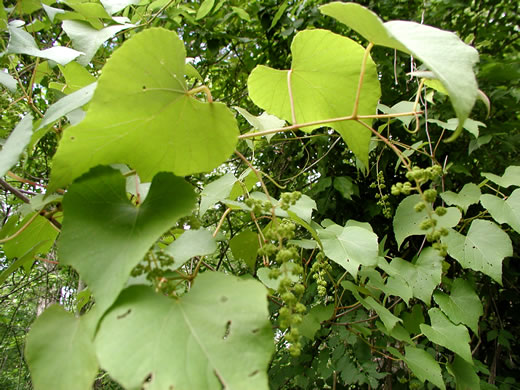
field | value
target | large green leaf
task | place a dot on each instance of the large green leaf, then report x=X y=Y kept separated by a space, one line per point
x=244 y=247
x=60 y=352
x=465 y=375
x=424 y=275
x=483 y=249
x=350 y=246
x=453 y=66
x=462 y=305
x=21 y=42
x=205 y=340
x=191 y=243
x=443 y=332
x=324 y=79
x=142 y=115
x=504 y=211
x=15 y=144
x=511 y=177
x=407 y=221
x=470 y=194
x=424 y=366
x=104 y=236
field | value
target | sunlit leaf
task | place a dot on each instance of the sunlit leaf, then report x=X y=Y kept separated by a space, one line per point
x=15 y=144
x=216 y=191
x=8 y=81
x=511 y=177
x=104 y=236
x=142 y=115
x=114 y=6
x=204 y=340
x=60 y=352
x=191 y=243
x=470 y=194
x=324 y=79
x=244 y=247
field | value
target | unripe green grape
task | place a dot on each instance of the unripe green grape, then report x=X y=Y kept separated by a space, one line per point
x=420 y=207
x=430 y=195
x=440 y=211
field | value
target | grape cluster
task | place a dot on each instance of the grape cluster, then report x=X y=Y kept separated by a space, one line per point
x=319 y=270
x=382 y=198
x=287 y=259
x=155 y=265
x=258 y=206
x=289 y=198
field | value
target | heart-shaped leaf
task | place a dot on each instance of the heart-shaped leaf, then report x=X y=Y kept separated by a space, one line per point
x=504 y=211
x=142 y=115
x=104 y=236
x=324 y=79
x=204 y=340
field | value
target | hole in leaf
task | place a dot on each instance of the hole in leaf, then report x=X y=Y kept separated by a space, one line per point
x=255 y=330
x=149 y=378
x=228 y=329
x=223 y=299
x=144 y=87
x=124 y=315
x=253 y=373
x=72 y=138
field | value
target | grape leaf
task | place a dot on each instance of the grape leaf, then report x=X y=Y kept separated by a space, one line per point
x=204 y=340
x=462 y=305
x=453 y=67
x=324 y=79
x=15 y=144
x=8 y=81
x=216 y=191
x=423 y=276
x=142 y=115
x=511 y=177
x=60 y=352
x=104 y=236
x=424 y=366
x=191 y=243
x=470 y=194
x=311 y=322
x=443 y=332
x=407 y=221
x=504 y=211
x=21 y=42
x=350 y=246
x=244 y=247
x=465 y=375
x=114 y=6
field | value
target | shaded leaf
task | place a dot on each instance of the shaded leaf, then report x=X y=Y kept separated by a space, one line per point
x=462 y=305
x=346 y=187
x=60 y=352
x=407 y=221
x=204 y=340
x=465 y=375
x=286 y=268
x=424 y=366
x=311 y=322
x=350 y=246
x=504 y=211
x=15 y=144
x=21 y=42
x=191 y=243
x=470 y=194
x=454 y=67
x=141 y=99
x=8 y=81
x=216 y=191
x=319 y=90
x=443 y=332
x=104 y=236
x=244 y=247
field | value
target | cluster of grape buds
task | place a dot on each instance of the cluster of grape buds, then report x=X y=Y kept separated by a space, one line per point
x=319 y=270
x=289 y=198
x=423 y=175
x=258 y=206
x=382 y=198
x=401 y=188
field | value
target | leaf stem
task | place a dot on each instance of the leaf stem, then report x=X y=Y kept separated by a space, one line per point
x=291 y=99
x=20 y=231
x=361 y=77
x=228 y=210
x=202 y=88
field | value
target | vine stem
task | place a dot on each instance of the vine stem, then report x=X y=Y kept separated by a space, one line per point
x=256 y=171
x=291 y=99
x=361 y=78
x=21 y=229
x=202 y=88
x=324 y=122
x=228 y=210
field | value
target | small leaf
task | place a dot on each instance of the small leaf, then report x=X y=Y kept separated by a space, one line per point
x=242 y=13
x=462 y=305
x=424 y=366
x=87 y=39
x=67 y=104
x=216 y=191
x=21 y=42
x=454 y=67
x=204 y=9
x=443 y=332
x=244 y=247
x=504 y=211
x=262 y=122
x=350 y=246
x=60 y=343
x=142 y=99
x=15 y=144
x=114 y=6
x=311 y=322
x=470 y=194
x=26 y=261
x=511 y=177
x=204 y=340
x=423 y=276
x=407 y=221
x=104 y=236
x=384 y=314
x=465 y=375
x=8 y=81
x=319 y=91
x=346 y=187
x=52 y=12
x=191 y=243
